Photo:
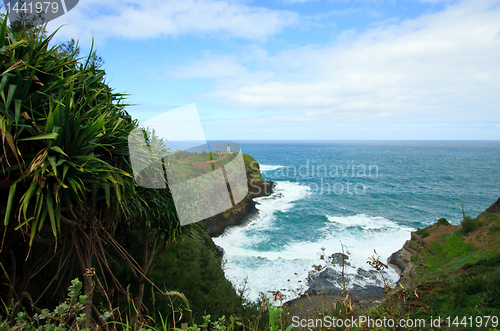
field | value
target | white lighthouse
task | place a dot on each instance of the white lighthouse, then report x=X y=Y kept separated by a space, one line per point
x=228 y=148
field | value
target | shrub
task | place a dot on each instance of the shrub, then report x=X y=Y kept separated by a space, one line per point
x=66 y=316
x=422 y=232
x=469 y=224
x=443 y=221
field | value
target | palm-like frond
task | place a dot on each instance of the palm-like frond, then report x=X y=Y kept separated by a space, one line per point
x=65 y=162
x=64 y=135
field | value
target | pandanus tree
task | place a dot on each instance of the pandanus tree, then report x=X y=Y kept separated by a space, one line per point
x=66 y=182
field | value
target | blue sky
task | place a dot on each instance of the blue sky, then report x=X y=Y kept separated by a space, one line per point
x=300 y=69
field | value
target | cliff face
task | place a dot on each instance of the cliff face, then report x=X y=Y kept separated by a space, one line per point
x=454 y=267
x=245 y=209
x=405 y=261
x=494 y=208
x=260 y=188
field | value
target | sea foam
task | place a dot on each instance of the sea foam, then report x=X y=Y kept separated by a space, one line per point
x=264 y=167
x=251 y=257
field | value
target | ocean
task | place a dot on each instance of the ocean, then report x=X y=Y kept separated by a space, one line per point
x=365 y=195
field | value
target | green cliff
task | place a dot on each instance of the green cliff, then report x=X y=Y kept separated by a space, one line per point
x=450 y=270
x=245 y=209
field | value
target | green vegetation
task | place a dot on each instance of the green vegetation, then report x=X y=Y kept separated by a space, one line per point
x=441 y=255
x=252 y=169
x=469 y=223
x=422 y=232
x=443 y=221
x=191 y=266
x=71 y=208
x=66 y=316
x=459 y=276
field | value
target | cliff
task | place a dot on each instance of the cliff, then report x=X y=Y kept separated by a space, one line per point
x=425 y=243
x=450 y=270
x=245 y=209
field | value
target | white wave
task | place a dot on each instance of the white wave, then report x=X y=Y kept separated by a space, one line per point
x=243 y=261
x=264 y=167
x=250 y=255
x=287 y=268
x=283 y=198
x=364 y=221
x=285 y=193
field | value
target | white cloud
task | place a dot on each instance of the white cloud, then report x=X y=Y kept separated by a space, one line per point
x=146 y=19
x=438 y=67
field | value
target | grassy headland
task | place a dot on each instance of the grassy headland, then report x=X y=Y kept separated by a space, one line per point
x=449 y=271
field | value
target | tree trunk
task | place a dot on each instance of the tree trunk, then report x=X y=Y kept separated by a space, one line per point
x=141 y=280
x=83 y=245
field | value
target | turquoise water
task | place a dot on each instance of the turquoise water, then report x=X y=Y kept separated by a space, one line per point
x=367 y=195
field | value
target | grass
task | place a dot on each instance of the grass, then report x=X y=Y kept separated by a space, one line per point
x=449 y=256
x=474 y=292
x=458 y=278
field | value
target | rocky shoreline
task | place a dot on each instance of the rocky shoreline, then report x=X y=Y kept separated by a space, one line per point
x=401 y=260
x=367 y=289
x=325 y=288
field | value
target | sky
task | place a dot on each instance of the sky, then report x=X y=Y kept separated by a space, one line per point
x=303 y=69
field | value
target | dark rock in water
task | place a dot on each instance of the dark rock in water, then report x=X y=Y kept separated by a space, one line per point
x=329 y=281
x=339 y=258
x=276 y=196
x=364 y=274
x=219 y=250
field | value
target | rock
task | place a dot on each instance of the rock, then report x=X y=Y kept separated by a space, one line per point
x=327 y=281
x=219 y=250
x=494 y=208
x=239 y=214
x=400 y=260
x=243 y=212
x=261 y=189
x=367 y=291
x=402 y=263
x=339 y=258
x=365 y=274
